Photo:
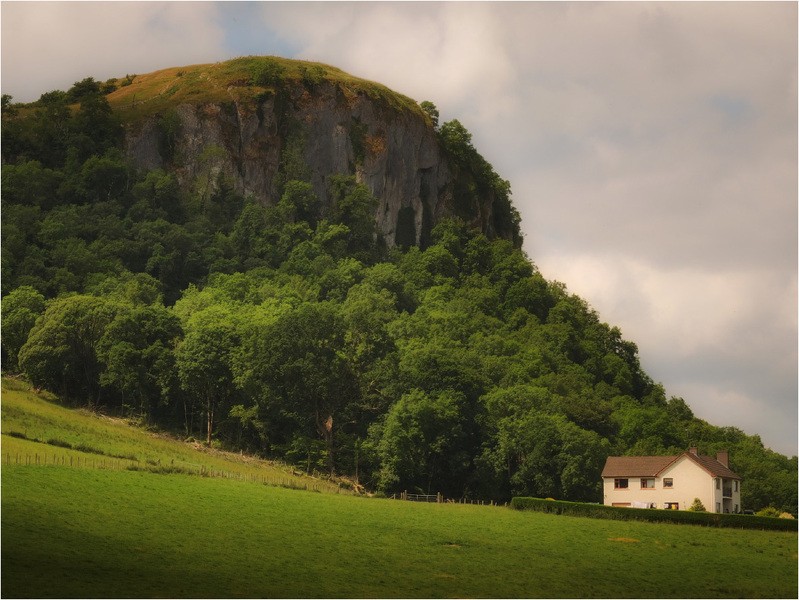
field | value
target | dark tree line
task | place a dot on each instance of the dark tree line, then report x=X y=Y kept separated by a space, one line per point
x=290 y=330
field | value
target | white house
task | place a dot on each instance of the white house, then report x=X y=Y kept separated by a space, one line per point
x=672 y=482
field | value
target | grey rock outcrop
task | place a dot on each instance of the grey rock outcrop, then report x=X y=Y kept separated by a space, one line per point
x=325 y=131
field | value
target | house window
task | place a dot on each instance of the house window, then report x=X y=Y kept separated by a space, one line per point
x=671 y=505
x=668 y=482
x=620 y=484
x=718 y=483
x=735 y=483
x=647 y=483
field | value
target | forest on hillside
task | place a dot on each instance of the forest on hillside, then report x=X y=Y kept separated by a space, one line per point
x=291 y=331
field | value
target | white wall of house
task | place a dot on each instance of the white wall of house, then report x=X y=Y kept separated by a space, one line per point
x=689 y=481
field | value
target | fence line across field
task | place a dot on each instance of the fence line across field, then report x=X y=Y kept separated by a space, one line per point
x=126 y=464
x=122 y=464
x=439 y=498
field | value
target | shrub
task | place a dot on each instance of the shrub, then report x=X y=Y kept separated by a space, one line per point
x=697 y=506
x=266 y=72
x=164 y=470
x=88 y=449
x=59 y=443
x=600 y=511
x=769 y=511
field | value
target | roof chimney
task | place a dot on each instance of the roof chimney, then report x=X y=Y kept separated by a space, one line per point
x=693 y=450
x=723 y=457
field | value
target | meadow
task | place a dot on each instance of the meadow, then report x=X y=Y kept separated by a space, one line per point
x=37 y=429
x=100 y=532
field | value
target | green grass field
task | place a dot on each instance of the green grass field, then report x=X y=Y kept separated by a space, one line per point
x=39 y=417
x=94 y=532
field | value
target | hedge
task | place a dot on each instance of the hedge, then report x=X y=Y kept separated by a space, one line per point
x=600 y=511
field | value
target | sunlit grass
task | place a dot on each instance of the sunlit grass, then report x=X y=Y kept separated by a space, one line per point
x=89 y=533
x=228 y=81
x=61 y=432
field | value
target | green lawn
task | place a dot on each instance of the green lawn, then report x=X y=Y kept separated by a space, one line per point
x=40 y=417
x=98 y=533
x=100 y=530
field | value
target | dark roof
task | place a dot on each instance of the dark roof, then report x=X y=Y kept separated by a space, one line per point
x=713 y=466
x=636 y=466
x=652 y=466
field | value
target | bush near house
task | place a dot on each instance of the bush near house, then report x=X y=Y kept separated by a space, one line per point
x=600 y=511
x=697 y=506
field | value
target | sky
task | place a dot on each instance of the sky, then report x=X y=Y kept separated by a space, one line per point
x=651 y=148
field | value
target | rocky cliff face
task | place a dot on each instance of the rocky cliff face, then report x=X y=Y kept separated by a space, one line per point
x=294 y=132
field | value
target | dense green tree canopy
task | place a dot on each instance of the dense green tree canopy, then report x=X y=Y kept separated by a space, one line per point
x=292 y=331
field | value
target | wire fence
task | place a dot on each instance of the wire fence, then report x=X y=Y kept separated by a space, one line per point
x=126 y=464
x=130 y=464
x=440 y=499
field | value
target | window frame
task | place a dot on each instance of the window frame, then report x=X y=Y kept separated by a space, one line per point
x=617 y=483
x=647 y=483
x=668 y=482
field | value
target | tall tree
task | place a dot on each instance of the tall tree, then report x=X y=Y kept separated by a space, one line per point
x=204 y=359
x=136 y=351
x=423 y=444
x=20 y=310
x=61 y=351
x=299 y=362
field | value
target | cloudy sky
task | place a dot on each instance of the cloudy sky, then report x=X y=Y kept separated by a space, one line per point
x=651 y=148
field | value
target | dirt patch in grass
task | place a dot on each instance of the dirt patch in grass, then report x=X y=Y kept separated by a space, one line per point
x=625 y=540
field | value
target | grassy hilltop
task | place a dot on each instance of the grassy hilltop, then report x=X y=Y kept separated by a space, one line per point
x=243 y=80
x=111 y=532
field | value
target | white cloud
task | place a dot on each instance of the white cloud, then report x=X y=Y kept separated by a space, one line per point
x=50 y=45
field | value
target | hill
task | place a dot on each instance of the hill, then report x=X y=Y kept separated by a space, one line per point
x=37 y=429
x=305 y=325
x=260 y=121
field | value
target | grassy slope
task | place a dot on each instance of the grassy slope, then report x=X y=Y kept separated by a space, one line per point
x=227 y=81
x=76 y=532
x=70 y=532
x=38 y=416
